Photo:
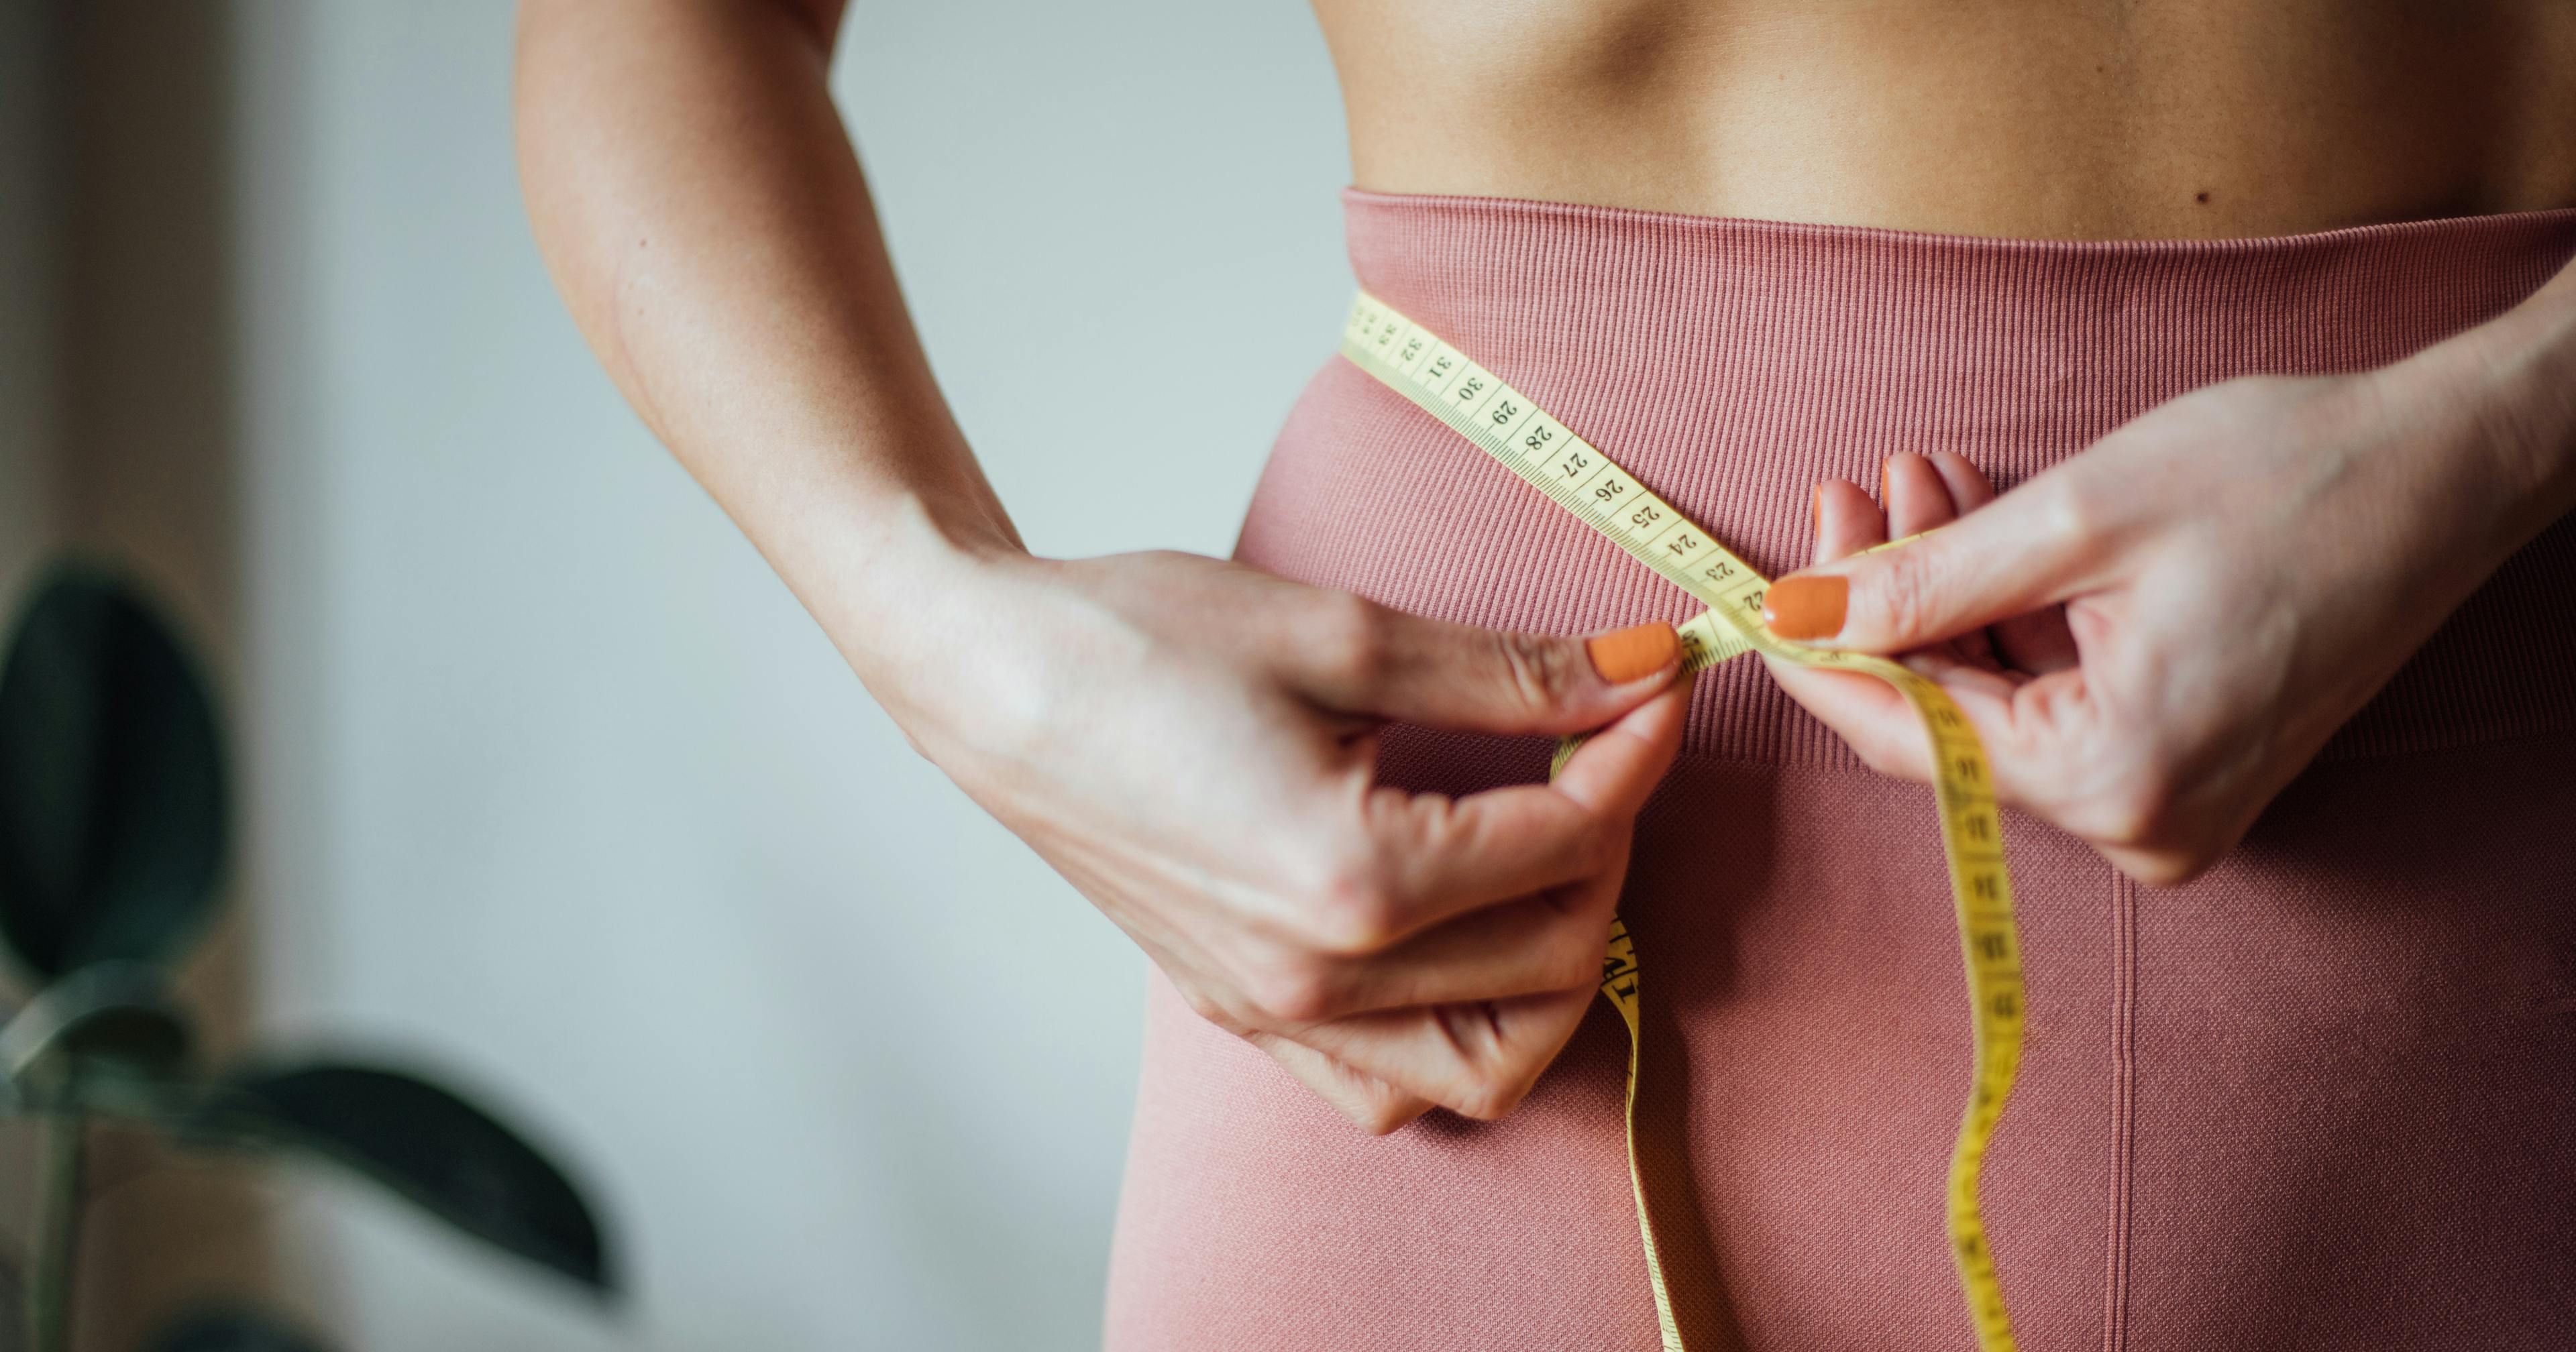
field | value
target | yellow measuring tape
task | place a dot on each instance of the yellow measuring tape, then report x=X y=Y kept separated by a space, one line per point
x=1578 y=477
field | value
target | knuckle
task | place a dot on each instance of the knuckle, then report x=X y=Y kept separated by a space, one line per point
x=1349 y=637
x=1380 y=1116
x=2169 y=862
x=1208 y=1007
x=1292 y=994
x=2125 y=817
x=1354 y=913
x=1537 y=669
x=1487 y=1099
x=1353 y=905
x=1576 y=960
x=1882 y=752
x=1904 y=591
x=2140 y=810
x=1882 y=758
x=2071 y=509
x=1603 y=846
x=2171 y=868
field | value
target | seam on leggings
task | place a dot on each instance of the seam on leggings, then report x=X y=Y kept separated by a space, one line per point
x=2124 y=1078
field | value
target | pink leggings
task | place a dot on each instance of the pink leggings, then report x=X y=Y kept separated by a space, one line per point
x=2319 y=1098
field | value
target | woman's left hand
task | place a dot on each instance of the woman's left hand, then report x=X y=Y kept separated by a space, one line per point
x=2155 y=636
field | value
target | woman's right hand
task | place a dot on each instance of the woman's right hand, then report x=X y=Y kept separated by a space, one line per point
x=1187 y=741
x=1192 y=744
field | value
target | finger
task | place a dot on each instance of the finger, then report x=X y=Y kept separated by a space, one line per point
x=1537 y=946
x=2039 y=643
x=1969 y=487
x=2017 y=554
x=1364 y=658
x=1866 y=712
x=1477 y=1060
x=1876 y=720
x=1917 y=499
x=1847 y=522
x=2033 y=731
x=1617 y=768
x=1920 y=498
x=1440 y=857
x=1955 y=674
x=1373 y=1105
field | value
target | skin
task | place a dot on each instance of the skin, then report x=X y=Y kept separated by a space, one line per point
x=2157 y=635
x=1191 y=743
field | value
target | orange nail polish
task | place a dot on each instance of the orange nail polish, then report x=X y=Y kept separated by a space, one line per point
x=1816 y=510
x=1806 y=607
x=1624 y=655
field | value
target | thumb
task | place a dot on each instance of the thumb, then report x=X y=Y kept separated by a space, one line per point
x=2008 y=558
x=1418 y=670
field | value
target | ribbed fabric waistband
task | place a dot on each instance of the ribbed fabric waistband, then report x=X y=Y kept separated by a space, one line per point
x=1732 y=364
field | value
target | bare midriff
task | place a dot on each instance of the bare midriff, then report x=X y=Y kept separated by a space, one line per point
x=2072 y=119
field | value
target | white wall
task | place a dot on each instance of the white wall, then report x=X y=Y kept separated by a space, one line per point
x=555 y=783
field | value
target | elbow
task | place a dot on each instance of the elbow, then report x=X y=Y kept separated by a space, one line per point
x=819 y=20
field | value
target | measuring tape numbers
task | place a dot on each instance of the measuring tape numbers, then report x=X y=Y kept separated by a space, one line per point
x=1573 y=473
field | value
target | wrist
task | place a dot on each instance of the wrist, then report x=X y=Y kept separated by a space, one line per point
x=899 y=587
x=2552 y=319
x=2495 y=409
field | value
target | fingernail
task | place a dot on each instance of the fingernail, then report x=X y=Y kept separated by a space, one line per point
x=1816 y=510
x=1806 y=607
x=1639 y=650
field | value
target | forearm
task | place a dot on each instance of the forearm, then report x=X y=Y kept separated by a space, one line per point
x=702 y=210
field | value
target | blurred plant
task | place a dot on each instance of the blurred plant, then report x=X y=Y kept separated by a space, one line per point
x=113 y=819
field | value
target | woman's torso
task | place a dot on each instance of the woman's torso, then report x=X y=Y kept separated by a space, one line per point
x=2100 y=119
x=2314 y=1099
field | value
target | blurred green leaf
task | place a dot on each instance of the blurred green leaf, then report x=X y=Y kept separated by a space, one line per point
x=437 y=1151
x=96 y=1029
x=231 y=1329
x=112 y=805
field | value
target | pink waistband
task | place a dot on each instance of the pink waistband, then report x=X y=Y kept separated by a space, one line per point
x=1734 y=363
